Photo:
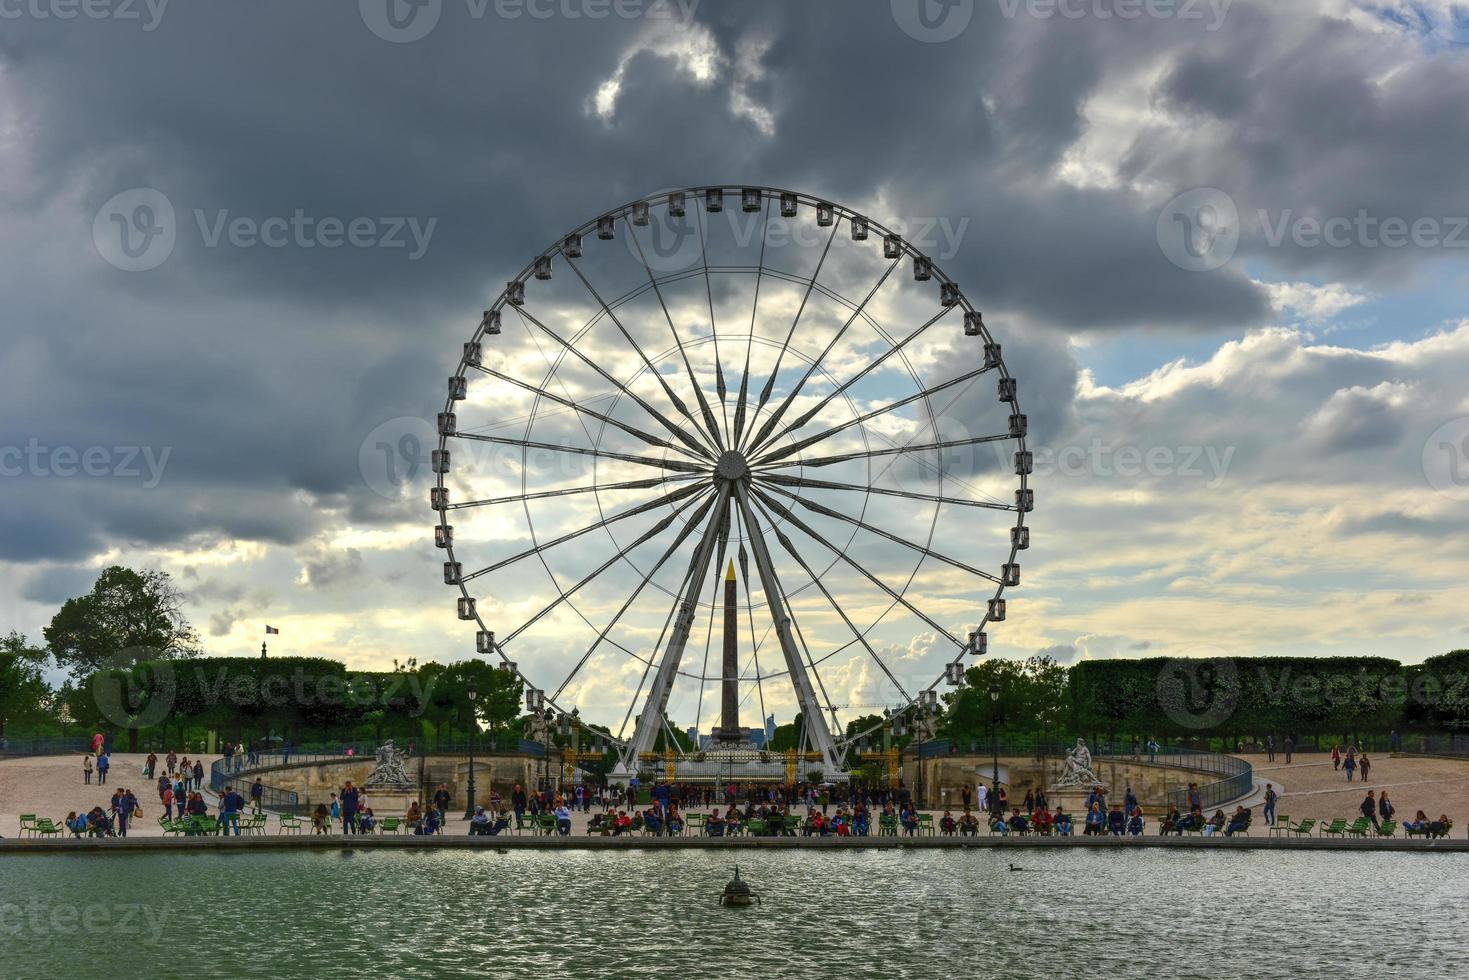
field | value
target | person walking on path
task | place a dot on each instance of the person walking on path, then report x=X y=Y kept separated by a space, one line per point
x=1369 y=809
x=1335 y=758
x=199 y=774
x=86 y=770
x=1270 y=748
x=1350 y=765
x=1385 y=809
x=103 y=764
x=168 y=802
x=349 y=798
x=172 y=761
x=1152 y=749
x=1365 y=765
x=257 y=795
x=127 y=805
x=1270 y=800
x=1290 y=745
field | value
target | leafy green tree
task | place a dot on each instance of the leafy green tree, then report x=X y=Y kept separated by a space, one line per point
x=24 y=694
x=129 y=616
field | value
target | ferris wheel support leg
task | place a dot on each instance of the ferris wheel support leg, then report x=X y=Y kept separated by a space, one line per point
x=657 y=700
x=811 y=709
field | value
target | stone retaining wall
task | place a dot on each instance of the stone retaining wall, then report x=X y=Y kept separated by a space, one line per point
x=1151 y=783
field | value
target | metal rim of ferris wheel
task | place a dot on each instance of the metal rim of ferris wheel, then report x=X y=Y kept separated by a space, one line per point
x=742 y=470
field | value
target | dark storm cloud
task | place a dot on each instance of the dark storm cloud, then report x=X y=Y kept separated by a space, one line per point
x=264 y=369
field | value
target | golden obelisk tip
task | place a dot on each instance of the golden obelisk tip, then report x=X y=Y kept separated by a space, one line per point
x=729 y=575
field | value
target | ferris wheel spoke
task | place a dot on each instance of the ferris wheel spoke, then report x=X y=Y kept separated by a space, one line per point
x=656 y=703
x=890 y=451
x=776 y=507
x=806 y=417
x=709 y=421
x=719 y=386
x=642 y=403
x=810 y=661
x=668 y=392
x=775 y=417
x=858 y=420
x=801 y=481
x=769 y=387
x=780 y=613
x=814 y=507
x=694 y=520
x=663 y=464
x=755 y=641
x=713 y=604
x=540 y=548
x=858 y=636
x=647 y=484
x=650 y=439
x=739 y=426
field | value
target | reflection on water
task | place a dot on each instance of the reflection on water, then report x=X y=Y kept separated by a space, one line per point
x=883 y=913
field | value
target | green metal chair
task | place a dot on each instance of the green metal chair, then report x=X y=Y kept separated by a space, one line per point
x=289 y=823
x=887 y=825
x=390 y=825
x=27 y=825
x=1304 y=828
x=45 y=828
x=1359 y=827
x=925 y=824
x=1388 y=828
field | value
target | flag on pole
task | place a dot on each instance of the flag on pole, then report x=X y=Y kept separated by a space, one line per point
x=271 y=630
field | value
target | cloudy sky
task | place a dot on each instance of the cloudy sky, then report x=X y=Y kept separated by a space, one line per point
x=1223 y=244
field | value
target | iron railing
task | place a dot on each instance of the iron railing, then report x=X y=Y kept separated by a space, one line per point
x=43 y=746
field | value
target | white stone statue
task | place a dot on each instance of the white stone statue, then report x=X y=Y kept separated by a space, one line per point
x=1078 y=768
x=389 y=770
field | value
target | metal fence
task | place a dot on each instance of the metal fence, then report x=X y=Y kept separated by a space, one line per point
x=43 y=746
x=272 y=798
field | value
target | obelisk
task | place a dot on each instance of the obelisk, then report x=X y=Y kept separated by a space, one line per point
x=729 y=722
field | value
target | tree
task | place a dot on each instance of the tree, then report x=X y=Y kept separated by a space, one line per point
x=128 y=617
x=24 y=693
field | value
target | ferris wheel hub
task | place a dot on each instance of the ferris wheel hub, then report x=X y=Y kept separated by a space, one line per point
x=732 y=466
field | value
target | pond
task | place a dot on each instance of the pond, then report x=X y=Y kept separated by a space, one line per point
x=889 y=913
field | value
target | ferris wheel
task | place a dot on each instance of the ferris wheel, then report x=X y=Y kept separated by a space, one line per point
x=731 y=393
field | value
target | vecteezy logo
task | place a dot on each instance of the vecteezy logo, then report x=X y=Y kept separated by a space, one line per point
x=1199 y=692
x=395 y=455
x=136 y=230
x=933 y=21
x=400 y=21
x=135 y=688
x=1199 y=229
x=669 y=244
x=1446 y=459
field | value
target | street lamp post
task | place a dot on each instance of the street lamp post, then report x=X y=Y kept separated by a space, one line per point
x=473 y=694
x=995 y=737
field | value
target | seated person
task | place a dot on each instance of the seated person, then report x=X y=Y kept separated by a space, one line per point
x=1135 y=822
x=714 y=826
x=861 y=823
x=1215 y=824
x=1194 y=821
x=319 y=819
x=1094 y=821
x=563 y=819
x=99 y=824
x=841 y=824
x=1018 y=823
x=909 y=820
x=413 y=816
x=1042 y=820
x=733 y=821
x=1441 y=826
x=622 y=824
x=948 y=825
x=480 y=823
x=1419 y=822
x=1240 y=821
x=653 y=820
x=76 y=823
x=1062 y=822
x=366 y=821
x=1170 y=821
x=968 y=824
x=675 y=822
x=1116 y=821
x=598 y=824
x=429 y=825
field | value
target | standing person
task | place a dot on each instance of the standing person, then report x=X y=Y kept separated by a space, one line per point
x=257 y=795
x=517 y=802
x=1195 y=799
x=1129 y=800
x=230 y=805
x=1335 y=758
x=1152 y=749
x=1270 y=748
x=1394 y=740
x=86 y=770
x=1350 y=765
x=1385 y=809
x=168 y=802
x=967 y=795
x=1270 y=797
x=127 y=805
x=149 y=765
x=1290 y=746
x=199 y=774
x=103 y=764
x=1365 y=765
x=349 y=798
x=982 y=795
x=1369 y=809
x=172 y=761
x=441 y=802
x=1134 y=752
x=97 y=744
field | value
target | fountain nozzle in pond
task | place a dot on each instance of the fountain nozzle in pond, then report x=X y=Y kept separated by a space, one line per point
x=737 y=892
